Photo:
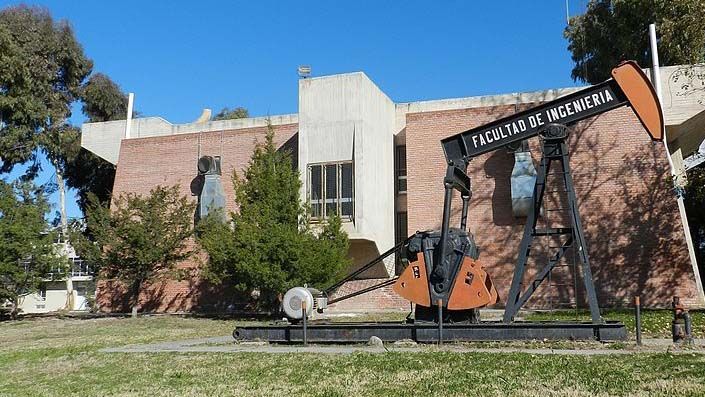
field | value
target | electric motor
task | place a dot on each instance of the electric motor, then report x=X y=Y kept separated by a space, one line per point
x=296 y=296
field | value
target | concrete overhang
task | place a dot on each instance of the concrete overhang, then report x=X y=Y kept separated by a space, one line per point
x=103 y=139
x=687 y=136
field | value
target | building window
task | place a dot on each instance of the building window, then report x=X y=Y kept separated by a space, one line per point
x=41 y=298
x=400 y=167
x=401 y=227
x=331 y=190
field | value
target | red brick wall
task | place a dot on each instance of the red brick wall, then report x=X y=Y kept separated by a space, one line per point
x=633 y=232
x=171 y=160
x=378 y=300
x=629 y=214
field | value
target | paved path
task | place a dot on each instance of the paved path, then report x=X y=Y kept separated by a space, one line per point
x=225 y=344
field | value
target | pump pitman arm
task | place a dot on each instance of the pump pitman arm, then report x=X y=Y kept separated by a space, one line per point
x=628 y=86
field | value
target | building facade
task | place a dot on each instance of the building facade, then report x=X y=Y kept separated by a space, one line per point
x=70 y=288
x=380 y=165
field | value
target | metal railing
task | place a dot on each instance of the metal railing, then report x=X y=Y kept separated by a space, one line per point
x=76 y=268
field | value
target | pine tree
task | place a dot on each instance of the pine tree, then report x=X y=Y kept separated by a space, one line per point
x=138 y=239
x=270 y=246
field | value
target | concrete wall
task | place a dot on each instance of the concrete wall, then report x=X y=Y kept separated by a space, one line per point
x=104 y=139
x=346 y=117
x=683 y=91
x=683 y=101
x=56 y=297
x=55 y=300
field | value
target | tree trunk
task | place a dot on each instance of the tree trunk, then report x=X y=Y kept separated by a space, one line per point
x=69 y=292
x=61 y=187
x=136 y=286
x=14 y=309
x=62 y=202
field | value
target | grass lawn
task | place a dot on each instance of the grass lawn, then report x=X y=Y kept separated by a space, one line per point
x=54 y=357
x=654 y=323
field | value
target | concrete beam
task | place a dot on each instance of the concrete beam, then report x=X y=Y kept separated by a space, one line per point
x=103 y=139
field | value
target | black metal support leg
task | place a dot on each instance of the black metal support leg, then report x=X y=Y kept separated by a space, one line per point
x=511 y=307
x=579 y=237
x=554 y=149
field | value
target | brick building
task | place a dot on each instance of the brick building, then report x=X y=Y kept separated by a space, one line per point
x=380 y=165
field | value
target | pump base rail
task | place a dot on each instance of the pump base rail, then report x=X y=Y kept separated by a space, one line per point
x=428 y=332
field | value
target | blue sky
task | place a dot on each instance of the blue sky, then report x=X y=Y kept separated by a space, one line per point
x=179 y=57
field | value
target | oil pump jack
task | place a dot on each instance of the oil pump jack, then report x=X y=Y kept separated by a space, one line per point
x=444 y=277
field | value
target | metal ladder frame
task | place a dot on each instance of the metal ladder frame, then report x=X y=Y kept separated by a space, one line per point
x=554 y=149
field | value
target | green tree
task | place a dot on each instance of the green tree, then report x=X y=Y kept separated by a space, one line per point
x=44 y=73
x=611 y=31
x=43 y=68
x=103 y=100
x=227 y=114
x=270 y=245
x=26 y=249
x=139 y=239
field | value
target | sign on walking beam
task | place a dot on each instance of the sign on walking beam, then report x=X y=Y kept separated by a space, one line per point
x=628 y=87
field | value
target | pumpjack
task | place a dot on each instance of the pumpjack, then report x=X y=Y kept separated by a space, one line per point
x=444 y=277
